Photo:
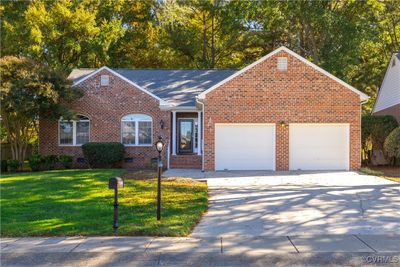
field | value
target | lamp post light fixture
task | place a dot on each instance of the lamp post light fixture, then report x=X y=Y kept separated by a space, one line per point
x=159 y=146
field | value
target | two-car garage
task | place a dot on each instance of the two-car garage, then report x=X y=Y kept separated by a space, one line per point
x=253 y=146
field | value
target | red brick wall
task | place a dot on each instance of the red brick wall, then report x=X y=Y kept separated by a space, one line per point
x=105 y=106
x=299 y=95
x=191 y=161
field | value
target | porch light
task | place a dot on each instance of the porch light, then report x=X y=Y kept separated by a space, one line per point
x=162 y=124
x=159 y=145
x=283 y=124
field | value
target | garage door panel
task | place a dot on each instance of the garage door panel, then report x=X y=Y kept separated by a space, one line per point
x=319 y=146
x=244 y=147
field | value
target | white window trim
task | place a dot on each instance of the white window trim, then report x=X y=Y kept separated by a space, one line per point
x=136 y=121
x=73 y=131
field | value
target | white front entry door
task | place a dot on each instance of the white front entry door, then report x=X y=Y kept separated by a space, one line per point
x=319 y=146
x=245 y=146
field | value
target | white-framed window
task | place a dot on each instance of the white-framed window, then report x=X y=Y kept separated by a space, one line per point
x=282 y=63
x=136 y=130
x=74 y=132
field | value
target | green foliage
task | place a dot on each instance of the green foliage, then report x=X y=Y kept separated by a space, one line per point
x=352 y=39
x=4 y=165
x=377 y=128
x=66 y=161
x=50 y=161
x=30 y=89
x=35 y=162
x=14 y=165
x=374 y=130
x=103 y=154
x=392 y=145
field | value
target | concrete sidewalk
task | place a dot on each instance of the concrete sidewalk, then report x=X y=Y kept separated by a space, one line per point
x=232 y=251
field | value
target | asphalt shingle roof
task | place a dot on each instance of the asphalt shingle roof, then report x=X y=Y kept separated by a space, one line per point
x=179 y=87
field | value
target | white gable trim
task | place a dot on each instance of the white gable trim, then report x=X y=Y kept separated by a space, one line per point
x=162 y=102
x=363 y=96
x=376 y=109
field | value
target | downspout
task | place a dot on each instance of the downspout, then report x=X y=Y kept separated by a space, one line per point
x=202 y=133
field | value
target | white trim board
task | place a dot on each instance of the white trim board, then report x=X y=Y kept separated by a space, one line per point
x=162 y=102
x=385 y=80
x=363 y=97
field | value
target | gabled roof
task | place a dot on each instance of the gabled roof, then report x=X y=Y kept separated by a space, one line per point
x=389 y=92
x=177 y=87
x=363 y=97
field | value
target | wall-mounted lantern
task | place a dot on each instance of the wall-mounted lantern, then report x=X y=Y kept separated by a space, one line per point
x=283 y=124
x=162 y=124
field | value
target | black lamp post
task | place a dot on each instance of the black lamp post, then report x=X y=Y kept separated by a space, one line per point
x=159 y=147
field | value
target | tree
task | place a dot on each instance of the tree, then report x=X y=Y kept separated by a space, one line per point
x=29 y=90
x=392 y=145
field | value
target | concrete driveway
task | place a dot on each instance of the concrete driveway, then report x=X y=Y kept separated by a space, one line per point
x=298 y=203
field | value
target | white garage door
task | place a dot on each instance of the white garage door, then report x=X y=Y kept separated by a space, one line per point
x=319 y=146
x=245 y=147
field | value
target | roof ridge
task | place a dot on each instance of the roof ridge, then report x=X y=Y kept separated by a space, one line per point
x=226 y=69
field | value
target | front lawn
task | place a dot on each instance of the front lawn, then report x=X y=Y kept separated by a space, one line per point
x=78 y=202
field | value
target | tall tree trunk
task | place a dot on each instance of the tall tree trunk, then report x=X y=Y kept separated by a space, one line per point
x=204 y=39
x=212 y=41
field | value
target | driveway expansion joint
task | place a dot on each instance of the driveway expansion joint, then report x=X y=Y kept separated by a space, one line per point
x=291 y=242
x=365 y=243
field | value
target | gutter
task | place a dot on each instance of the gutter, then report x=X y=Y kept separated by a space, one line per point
x=202 y=132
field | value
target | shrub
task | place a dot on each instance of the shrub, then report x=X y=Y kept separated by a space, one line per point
x=392 y=145
x=13 y=164
x=35 y=162
x=4 y=165
x=66 y=161
x=374 y=130
x=103 y=154
x=50 y=162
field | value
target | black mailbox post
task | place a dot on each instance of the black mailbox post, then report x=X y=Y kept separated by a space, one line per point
x=115 y=183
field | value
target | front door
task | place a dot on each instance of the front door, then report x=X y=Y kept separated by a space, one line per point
x=185 y=139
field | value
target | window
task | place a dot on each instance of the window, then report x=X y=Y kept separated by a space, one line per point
x=136 y=130
x=282 y=63
x=104 y=80
x=74 y=132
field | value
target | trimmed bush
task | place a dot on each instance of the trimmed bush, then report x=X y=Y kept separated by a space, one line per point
x=103 y=154
x=66 y=161
x=35 y=162
x=4 y=165
x=13 y=164
x=392 y=145
x=50 y=162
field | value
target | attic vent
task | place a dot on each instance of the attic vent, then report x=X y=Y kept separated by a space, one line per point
x=104 y=80
x=282 y=64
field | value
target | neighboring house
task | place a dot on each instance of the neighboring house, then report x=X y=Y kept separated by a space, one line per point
x=280 y=113
x=388 y=100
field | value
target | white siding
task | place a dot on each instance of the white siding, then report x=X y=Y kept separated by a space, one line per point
x=389 y=93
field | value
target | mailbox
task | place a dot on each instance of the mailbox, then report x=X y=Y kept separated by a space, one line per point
x=115 y=182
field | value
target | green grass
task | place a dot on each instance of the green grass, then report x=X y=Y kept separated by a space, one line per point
x=78 y=202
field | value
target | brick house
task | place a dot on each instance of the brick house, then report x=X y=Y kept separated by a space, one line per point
x=388 y=100
x=280 y=113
